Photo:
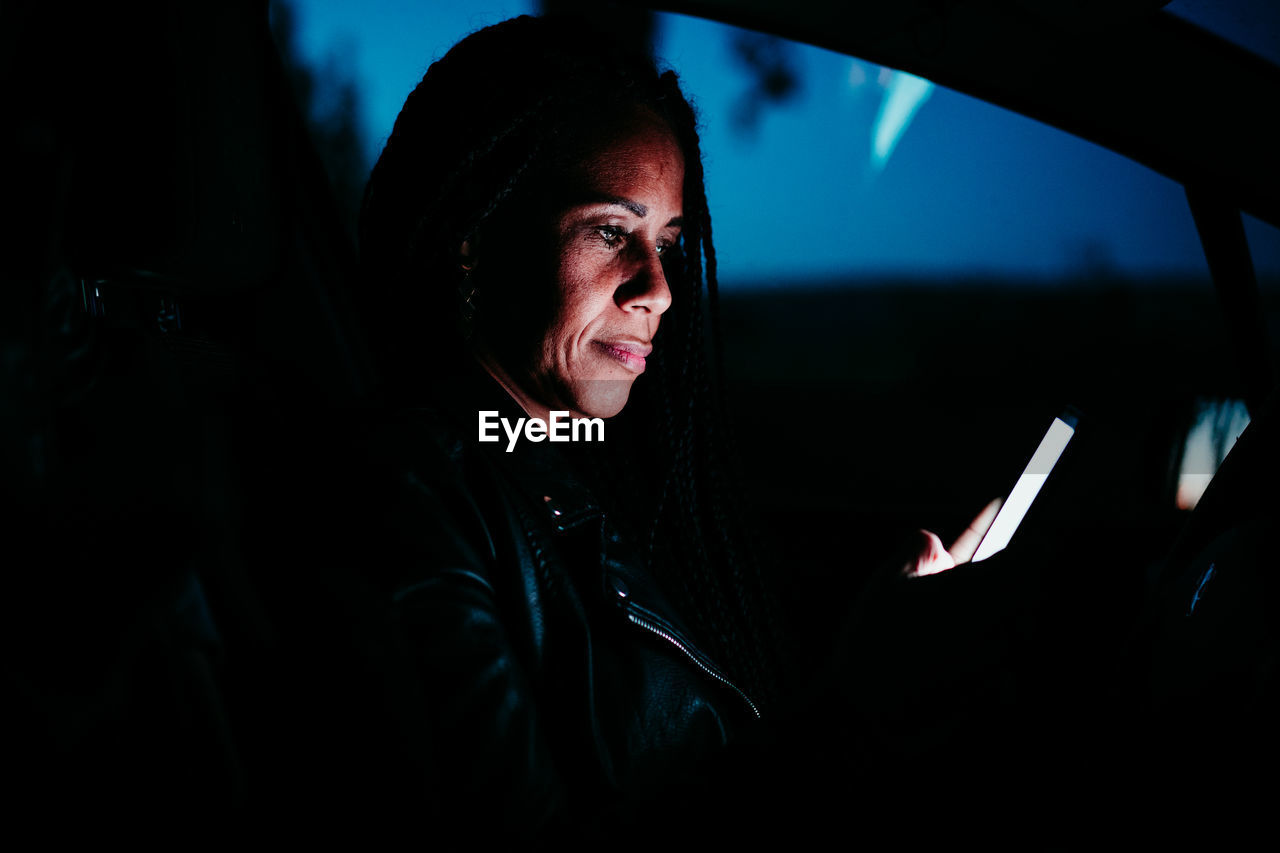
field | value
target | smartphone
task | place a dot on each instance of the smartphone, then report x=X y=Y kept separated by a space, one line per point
x=1019 y=500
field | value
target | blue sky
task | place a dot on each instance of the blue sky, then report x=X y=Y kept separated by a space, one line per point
x=969 y=189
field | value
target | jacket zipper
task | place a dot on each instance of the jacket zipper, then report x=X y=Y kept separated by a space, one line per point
x=684 y=649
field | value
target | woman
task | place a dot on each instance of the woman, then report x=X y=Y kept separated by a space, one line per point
x=587 y=617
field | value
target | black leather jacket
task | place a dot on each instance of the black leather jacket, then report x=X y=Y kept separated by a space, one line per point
x=560 y=685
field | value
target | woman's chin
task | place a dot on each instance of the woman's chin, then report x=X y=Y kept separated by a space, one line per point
x=602 y=398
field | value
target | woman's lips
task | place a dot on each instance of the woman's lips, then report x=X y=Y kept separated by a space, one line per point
x=631 y=355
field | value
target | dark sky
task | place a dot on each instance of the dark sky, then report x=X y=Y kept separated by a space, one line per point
x=962 y=187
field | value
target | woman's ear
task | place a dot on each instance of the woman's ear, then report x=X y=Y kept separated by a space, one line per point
x=467 y=254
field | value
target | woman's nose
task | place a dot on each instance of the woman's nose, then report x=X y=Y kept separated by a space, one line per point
x=647 y=288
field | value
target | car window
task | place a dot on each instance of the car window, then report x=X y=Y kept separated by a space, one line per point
x=1217 y=425
x=914 y=280
x=995 y=265
x=810 y=191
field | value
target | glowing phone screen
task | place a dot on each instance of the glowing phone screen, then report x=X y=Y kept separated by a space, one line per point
x=1028 y=486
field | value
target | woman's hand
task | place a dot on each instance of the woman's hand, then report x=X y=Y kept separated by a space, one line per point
x=932 y=558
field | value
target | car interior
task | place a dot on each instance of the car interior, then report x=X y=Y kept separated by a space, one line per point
x=179 y=348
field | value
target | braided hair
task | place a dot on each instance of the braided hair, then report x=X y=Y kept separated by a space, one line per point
x=488 y=128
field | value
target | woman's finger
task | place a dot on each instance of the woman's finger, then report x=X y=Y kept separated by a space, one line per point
x=966 y=543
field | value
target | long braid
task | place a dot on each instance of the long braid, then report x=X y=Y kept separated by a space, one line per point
x=750 y=629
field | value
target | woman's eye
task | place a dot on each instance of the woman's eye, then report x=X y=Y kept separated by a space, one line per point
x=615 y=236
x=611 y=235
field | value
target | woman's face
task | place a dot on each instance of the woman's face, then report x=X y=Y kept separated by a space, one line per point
x=595 y=300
